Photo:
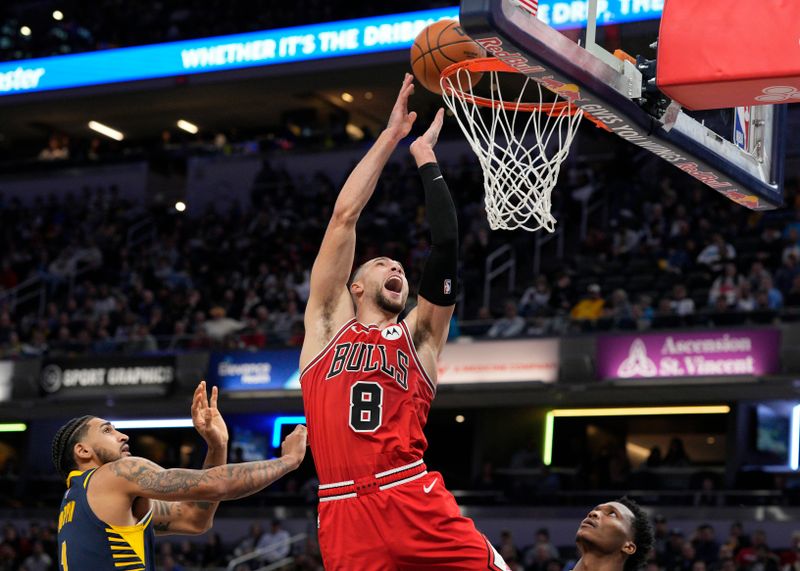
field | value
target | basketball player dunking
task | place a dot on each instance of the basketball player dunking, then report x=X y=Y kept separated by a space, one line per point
x=368 y=382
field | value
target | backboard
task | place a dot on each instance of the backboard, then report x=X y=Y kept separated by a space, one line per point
x=744 y=163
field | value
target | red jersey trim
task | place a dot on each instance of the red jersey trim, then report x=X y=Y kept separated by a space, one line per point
x=327 y=347
x=431 y=384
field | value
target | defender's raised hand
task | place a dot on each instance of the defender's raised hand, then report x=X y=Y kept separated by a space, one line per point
x=401 y=121
x=294 y=445
x=206 y=417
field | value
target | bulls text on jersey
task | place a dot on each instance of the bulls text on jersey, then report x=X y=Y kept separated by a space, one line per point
x=362 y=357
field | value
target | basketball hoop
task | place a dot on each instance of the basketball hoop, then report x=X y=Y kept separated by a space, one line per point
x=520 y=157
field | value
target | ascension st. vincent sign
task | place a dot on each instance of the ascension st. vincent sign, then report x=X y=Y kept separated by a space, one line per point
x=689 y=354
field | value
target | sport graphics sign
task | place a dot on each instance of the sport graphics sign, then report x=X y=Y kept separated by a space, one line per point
x=689 y=354
x=89 y=376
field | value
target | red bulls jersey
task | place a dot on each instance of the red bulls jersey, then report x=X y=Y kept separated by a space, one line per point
x=366 y=399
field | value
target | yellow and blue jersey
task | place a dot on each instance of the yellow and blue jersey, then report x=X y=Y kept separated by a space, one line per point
x=87 y=543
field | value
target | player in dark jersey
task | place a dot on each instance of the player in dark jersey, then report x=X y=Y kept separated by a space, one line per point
x=615 y=536
x=368 y=382
x=116 y=503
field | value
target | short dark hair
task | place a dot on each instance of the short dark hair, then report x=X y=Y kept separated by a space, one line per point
x=642 y=534
x=64 y=442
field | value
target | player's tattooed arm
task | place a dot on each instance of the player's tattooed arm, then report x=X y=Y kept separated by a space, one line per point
x=228 y=482
x=143 y=478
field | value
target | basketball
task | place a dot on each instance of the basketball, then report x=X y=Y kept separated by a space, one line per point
x=439 y=45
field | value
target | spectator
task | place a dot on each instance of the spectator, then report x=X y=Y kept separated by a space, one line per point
x=169 y=564
x=705 y=545
x=774 y=296
x=790 y=559
x=716 y=253
x=220 y=326
x=589 y=308
x=510 y=325
x=506 y=548
x=786 y=274
x=643 y=312
x=676 y=454
x=562 y=297
x=660 y=527
x=540 y=552
x=745 y=301
x=276 y=541
x=250 y=541
x=56 y=149
x=621 y=311
x=38 y=560
x=737 y=538
x=757 y=552
x=681 y=304
x=213 y=552
x=793 y=297
x=726 y=286
x=536 y=299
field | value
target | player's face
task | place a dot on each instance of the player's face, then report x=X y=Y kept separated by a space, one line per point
x=608 y=528
x=105 y=442
x=385 y=283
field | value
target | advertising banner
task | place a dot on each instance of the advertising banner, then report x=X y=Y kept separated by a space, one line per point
x=277 y=46
x=499 y=361
x=255 y=371
x=83 y=377
x=689 y=354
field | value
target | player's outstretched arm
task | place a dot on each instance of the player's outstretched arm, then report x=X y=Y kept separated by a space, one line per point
x=139 y=477
x=430 y=319
x=329 y=304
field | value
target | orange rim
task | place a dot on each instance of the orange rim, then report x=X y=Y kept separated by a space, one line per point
x=480 y=65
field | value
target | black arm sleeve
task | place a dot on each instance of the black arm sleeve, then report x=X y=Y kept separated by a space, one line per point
x=439 y=283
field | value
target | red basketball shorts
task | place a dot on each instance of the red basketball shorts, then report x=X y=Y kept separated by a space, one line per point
x=414 y=526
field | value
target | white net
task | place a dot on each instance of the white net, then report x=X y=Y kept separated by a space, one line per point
x=520 y=150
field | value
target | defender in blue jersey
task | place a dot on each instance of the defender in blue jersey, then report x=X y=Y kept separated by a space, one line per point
x=116 y=503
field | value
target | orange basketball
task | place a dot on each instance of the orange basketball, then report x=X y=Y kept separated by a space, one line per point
x=439 y=45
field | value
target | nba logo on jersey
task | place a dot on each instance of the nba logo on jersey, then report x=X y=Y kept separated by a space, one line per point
x=392 y=332
x=448 y=287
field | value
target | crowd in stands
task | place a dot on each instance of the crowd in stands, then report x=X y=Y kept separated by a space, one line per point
x=671 y=254
x=740 y=547
x=675 y=549
x=111 y=23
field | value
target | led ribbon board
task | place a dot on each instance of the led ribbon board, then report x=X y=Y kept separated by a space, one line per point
x=270 y=47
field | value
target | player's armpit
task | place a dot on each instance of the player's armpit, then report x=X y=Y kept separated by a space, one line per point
x=429 y=324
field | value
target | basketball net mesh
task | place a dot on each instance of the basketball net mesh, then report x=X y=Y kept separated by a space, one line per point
x=520 y=151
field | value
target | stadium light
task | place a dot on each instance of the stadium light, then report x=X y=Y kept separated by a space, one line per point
x=794 y=443
x=180 y=206
x=278 y=426
x=25 y=31
x=13 y=427
x=188 y=127
x=152 y=423
x=549 y=423
x=106 y=130
x=58 y=15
